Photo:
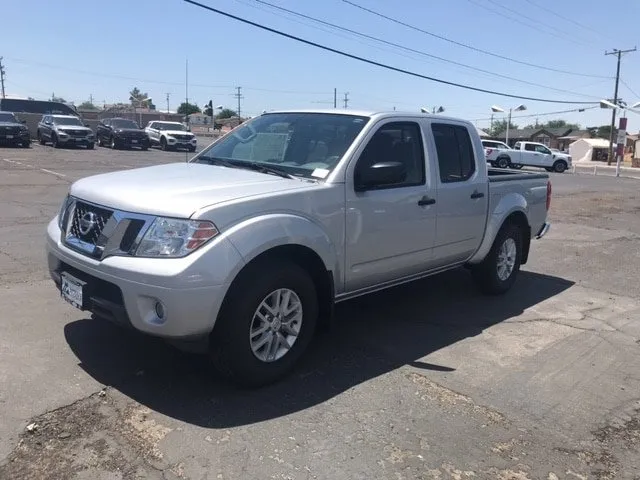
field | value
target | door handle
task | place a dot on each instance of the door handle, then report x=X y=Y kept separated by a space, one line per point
x=477 y=194
x=426 y=201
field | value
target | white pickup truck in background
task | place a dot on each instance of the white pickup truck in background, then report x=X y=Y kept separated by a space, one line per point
x=528 y=154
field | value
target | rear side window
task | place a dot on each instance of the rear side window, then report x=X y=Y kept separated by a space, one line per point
x=455 y=152
x=529 y=147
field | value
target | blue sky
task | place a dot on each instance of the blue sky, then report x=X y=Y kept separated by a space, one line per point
x=75 y=49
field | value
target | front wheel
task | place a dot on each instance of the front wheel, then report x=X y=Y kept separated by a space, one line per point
x=498 y=271
x=266 y=323
x=113 y=143
x=54 y=141
x=163 y=144
x=90 y=146
x=559 y=166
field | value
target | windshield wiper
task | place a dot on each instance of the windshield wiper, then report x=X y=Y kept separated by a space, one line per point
x=256 y=166
x=262 y=168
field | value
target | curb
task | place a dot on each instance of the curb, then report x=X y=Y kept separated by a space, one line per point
x=607 y=170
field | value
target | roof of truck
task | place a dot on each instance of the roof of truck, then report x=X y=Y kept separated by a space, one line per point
x=368 y=113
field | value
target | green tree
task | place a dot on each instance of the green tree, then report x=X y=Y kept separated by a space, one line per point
x=555 y=124
x=603 y=131
x=188 y=108
x=226 y=113
x=499 y=126
x=87 y=106
x=140 y=100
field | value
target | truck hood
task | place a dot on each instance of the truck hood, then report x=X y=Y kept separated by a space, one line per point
x=177 y=189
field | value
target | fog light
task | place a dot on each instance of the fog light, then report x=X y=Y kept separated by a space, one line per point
x=160 y=310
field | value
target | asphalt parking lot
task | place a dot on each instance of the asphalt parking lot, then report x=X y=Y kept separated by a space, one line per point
x=427 y=381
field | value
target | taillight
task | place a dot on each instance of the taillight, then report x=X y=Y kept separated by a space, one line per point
x=488 y=151
x=548 y=194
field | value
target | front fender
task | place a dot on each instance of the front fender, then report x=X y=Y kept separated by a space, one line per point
x=508 y=204
x=259 y=234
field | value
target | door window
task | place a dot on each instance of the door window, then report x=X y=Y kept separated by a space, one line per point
x=455 y=152
x=395 y=142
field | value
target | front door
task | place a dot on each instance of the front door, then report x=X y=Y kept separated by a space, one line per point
x=390 y=229
x=462 y=195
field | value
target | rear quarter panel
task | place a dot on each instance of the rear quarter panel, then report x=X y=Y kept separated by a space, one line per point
x=521 y=192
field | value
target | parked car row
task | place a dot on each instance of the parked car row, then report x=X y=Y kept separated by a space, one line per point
x=117 y=133
x=530 y=154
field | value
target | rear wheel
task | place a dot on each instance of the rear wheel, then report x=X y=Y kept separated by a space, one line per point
x=503 y=162
x=498 y=271
x=266 y=323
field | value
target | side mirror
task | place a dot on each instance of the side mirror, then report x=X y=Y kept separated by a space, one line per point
x=379 y=175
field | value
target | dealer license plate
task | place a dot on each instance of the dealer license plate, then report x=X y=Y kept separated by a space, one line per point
x=9 y=137
x=72 y=290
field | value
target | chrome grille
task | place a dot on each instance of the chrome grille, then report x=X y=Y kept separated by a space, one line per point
x=183 y=137
x=85 y=215
x=101 y=232
x=77 y=133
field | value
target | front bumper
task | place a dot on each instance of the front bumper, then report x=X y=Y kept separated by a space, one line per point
x=126 y=290
x=174 y=142
x=69 y=140
x=15 y=138
x=133 y=142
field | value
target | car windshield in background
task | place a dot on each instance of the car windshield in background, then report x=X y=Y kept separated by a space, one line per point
x=124 y=124
x=170 y=126
x=300 y=144
x=7 y=117
x=68 y=121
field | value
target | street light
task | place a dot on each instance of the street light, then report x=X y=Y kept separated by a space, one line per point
x=519 y=108
x=434 y=110
x=140 y=101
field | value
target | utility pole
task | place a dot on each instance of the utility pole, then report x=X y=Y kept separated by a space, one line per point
x=335 y=98
x=618 y=53
x=239 y=97
x=91 y=98
x=346 y=100
x=168 y=94
x=2 y=74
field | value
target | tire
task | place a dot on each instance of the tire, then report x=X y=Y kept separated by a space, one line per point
x=231 y=349
x=560 y=166
x=163 y=144
x=54 y=141
x=26 y=144
x=112 y=143
x=99 y=141
x=503 y=162
x=491 y=276
x=90 y=146
x=40 y=139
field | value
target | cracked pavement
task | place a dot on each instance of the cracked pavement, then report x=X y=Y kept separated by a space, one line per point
x=428 y=381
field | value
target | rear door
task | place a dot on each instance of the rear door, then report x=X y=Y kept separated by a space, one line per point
x=463 y=192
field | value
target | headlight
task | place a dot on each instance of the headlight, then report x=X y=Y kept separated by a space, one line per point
x=63 y=210
x=170 y=237
x=63 y=134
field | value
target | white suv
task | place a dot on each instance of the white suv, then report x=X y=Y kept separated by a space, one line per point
x=171 y=135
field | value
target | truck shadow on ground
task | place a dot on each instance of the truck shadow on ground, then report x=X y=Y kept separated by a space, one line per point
x=371 y=336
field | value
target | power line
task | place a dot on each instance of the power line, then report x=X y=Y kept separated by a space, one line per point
x=568 y=19
x=637 y=97
x=378 y=64
x=470 y=47
x=532 y=115
x=420 y=52
x=517 y=19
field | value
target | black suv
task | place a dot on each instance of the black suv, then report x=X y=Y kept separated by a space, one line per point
x=13 y=132
x=121 y=133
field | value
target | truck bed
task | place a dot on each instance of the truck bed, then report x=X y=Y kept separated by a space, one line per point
x=502 y=175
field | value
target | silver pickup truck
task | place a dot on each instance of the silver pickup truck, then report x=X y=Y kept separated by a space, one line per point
x=245 y=249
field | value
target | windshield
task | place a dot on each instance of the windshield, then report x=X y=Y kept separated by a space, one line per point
x=124 y=123
x=8 y=117
x=67 y=121
x=170 y=126
x=301 y=144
